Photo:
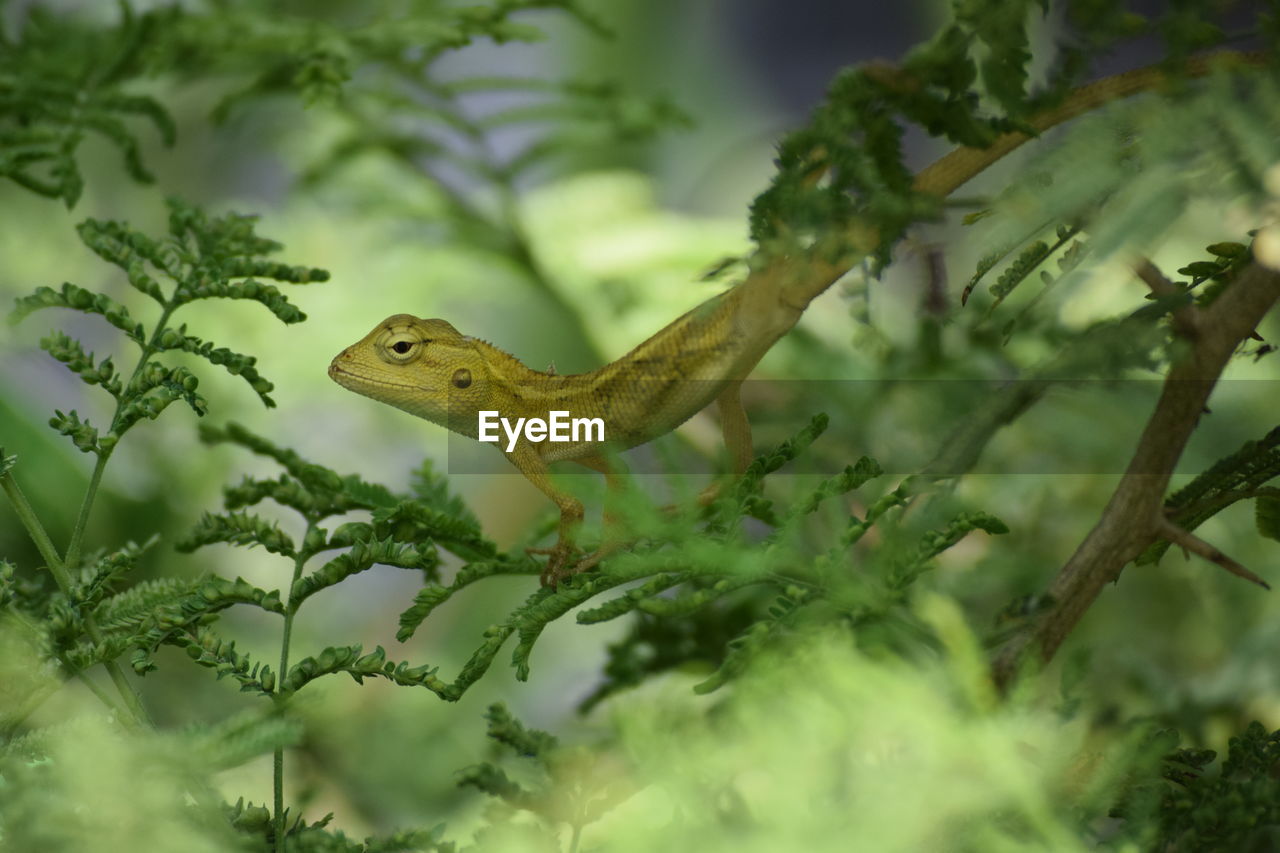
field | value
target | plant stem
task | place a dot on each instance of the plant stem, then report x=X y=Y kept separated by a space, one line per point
x=82 y=520
x=278 y=758
x=26 y=514
x=95 y=479
x=35 y=529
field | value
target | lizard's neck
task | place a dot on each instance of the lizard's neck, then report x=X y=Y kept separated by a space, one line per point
x=506 y=366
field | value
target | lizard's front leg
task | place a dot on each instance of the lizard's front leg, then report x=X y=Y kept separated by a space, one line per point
x=560 y=557
x=737 y=437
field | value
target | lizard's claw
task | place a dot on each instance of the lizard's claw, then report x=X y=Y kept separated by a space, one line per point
x=563 y=561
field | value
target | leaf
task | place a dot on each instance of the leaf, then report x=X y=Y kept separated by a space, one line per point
x=852 y=477
x=267 y=295
x=349 y=660
x=82 y=435
x=750 y=642
x=433 y=595
x=315 y=478
x=70 y=352
x=234 y=363
x=511 y=733
x=1267 y=515
x=411 y=521
x=79 y=299
x=152 y=611
x=208 y=650
x=238 y=528
x=1221 y=485
x=60 y=83
x=97 y=580
x=235 y=740
x=632 y=598
x=365 y=554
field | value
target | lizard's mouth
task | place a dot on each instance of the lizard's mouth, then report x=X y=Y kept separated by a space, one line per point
x=359 y=381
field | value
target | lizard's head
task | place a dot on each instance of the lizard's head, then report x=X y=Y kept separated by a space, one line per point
x=425 y=367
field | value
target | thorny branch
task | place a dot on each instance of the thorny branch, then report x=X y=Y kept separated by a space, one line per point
x=1134 y=518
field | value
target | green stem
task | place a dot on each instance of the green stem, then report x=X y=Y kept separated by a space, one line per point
x=62 y=576
x=86 y=505
x=35 y=529
x=290 y=610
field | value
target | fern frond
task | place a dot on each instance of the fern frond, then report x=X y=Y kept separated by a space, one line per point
x=511 y=733
x=433 y=595
x=82 y=434
x=375 y=664
x=748 y=644
x=238 y=528
x=632 y=599
x=411 y=521
x=151 y=391
x=854 y=476
x=365 y=554
x=209 y=650
x=231 y=742
x=61 y=82
x=105 y=570
x=78 y=299
x=70 y=352
x=314 y=477
x=546 y=605
x=237 y=364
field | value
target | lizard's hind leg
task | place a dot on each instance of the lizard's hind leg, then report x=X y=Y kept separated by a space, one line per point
x=616 y=482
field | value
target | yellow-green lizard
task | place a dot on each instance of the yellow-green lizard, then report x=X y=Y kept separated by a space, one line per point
x=429 y=369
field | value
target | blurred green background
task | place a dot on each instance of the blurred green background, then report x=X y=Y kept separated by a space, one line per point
x=622 y=235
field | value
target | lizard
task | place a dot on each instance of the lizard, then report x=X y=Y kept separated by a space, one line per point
x=428 y=368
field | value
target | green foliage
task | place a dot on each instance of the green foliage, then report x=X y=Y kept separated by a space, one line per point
x=349 y=660
x=64 y=79
x=383 y=75
x=203 y=258
x=1235 y=808
x=810 y=609
x=1239 y=476
x=570 y=786
x=682 y=568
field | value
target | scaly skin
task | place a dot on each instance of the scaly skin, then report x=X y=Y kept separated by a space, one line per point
x=429 y=369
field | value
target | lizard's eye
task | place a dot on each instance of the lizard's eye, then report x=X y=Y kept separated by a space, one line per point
x=462 y=378
x=401 y=347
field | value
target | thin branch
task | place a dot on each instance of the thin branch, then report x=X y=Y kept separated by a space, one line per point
x=1132 y=518
x=1184 y=316
x=1215 y=504
x=1188 y=541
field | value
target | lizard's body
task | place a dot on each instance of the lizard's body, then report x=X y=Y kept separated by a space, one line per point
x=429 y=369
x=700 y=357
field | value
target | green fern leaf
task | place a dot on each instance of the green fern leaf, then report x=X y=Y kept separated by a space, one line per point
x=78 y=299
x=238 y=528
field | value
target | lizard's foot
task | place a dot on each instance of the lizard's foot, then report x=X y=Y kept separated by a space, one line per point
x=563 y=563
x=705 y=498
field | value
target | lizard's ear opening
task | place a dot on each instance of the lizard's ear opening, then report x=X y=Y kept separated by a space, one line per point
x=462 y=378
